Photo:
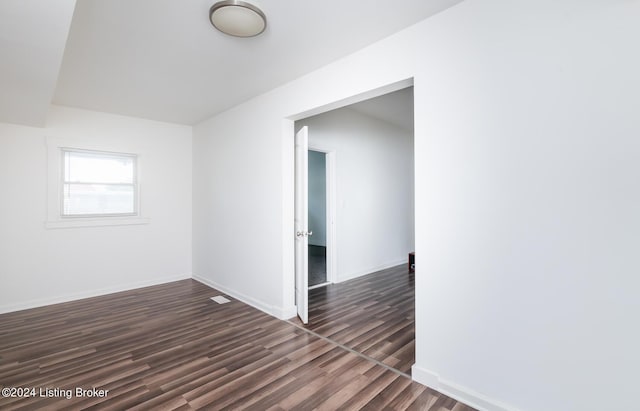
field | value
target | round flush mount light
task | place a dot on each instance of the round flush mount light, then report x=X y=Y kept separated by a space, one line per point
x=237 y=18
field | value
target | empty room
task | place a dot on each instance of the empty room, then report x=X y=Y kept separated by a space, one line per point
x=154 y=238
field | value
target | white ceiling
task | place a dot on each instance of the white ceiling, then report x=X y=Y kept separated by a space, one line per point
x=32 y=40
x=162 y=60
x=395 y=108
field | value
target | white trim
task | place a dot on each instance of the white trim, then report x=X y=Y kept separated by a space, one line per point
x=95 y=222
x=332 y=242
x=465 y=395
x=319 y=147
x=69 y=151
x=55 y=145
x=425 y=377
x=288 y=227
x=360 y=273
x=278 y=312
x=288 y=189
x=357 y=98
x=88 y=294
x=287 y=313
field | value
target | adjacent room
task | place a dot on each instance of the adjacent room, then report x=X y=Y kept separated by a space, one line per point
x=365 y=158
x=155 y=252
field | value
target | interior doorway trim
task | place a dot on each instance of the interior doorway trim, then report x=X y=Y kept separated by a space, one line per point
x=288 y=309
x=330 y=164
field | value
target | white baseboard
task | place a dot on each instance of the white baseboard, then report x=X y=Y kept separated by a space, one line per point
x=425 y=377
x=288 y=313
x=360 y=273
x=278 y=312
x=88 y=294
x=465 y=395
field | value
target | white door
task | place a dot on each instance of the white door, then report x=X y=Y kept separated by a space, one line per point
x=302 y=224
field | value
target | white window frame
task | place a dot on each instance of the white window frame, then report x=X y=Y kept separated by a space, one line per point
x=65 y=150
x=56 y=181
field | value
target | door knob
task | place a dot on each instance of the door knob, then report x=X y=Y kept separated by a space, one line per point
x=303 y=233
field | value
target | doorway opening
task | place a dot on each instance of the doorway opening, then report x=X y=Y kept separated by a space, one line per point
x=373 y=225
x=317 y=219
x=321 y=194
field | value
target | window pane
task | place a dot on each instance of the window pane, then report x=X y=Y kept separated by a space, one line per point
x=88 y=199
x=98 y=168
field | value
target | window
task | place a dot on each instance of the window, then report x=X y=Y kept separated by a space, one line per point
x=92 y=185
x=98 y=183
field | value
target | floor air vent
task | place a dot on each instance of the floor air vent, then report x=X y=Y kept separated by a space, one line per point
x=220 y=299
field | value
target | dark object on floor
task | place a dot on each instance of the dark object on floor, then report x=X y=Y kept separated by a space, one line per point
x=412 y=261
x=317 y=265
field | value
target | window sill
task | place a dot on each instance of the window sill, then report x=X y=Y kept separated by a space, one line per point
x=95 y=222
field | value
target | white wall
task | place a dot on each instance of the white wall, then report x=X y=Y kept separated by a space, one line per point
x=318 y=198
x=374 y=189
x=40 y=266
x=527 y=199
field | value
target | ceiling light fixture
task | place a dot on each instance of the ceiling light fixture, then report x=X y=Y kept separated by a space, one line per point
x=237 y=18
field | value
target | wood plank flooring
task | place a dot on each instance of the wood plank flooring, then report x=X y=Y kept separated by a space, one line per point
x=170 y=347
x=373 y=315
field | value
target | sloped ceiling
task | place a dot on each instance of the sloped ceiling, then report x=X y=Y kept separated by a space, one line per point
x=162 y=60
x=33 y=34
x=395 y=108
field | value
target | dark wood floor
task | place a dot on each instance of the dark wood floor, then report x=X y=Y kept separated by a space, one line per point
x=317 y=265
x=171 y=347
x=372 y=314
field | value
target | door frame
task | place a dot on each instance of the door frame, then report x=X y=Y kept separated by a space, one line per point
x=289 y=309
x=330 y=219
